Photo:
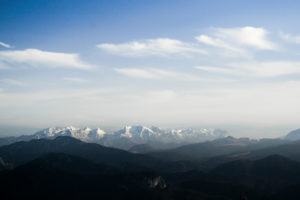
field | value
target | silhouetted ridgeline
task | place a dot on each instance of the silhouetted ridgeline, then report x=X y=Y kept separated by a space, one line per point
x=226 y=168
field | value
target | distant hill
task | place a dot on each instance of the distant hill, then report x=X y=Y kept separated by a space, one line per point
x=23 y=152
x=218 y=147
x=290 y=150
x=293 y=135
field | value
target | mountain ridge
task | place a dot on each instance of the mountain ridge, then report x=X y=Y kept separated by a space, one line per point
x=124 y=138
x=21 y=152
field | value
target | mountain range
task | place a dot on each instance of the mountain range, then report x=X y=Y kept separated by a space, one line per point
x=127 y=137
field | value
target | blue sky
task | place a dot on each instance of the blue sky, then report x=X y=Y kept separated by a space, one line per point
x=226 y=64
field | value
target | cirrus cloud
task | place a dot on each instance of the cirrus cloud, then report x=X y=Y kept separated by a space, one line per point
x=14 y=82
x=238 y=40
x=75 y=79
x=39 y=58
x=290 y=38
x=148 y=47
x=5 y=45
x=151 y=73
x=256 y=69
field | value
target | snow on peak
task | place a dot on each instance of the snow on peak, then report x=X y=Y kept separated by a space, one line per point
x=86 y=134
x=143 y=134
x=133 y=135
x=72 y=128
x=96 y=134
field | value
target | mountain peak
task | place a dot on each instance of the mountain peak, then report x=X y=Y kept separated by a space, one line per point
x=293 y=135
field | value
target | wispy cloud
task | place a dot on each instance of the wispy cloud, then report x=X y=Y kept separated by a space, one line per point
x=165 y=74
x=39 y=58
x=5 y=45
x=12 y=82
x=157 y=47
x=222 y=70
x=138 y=73
x=26 y=98
x=238 y=40
x=290 y=38
x=217 y=42
x=257 y=69
x=268 y=69
x=75 y=79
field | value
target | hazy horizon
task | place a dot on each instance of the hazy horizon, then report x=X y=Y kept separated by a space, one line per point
x=232 y=65
x=232 y=130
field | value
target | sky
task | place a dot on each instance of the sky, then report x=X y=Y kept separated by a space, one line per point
x=231 y=64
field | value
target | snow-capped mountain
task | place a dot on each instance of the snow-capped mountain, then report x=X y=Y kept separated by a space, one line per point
x=142 y=134
x=129 y=136
x=86 y=134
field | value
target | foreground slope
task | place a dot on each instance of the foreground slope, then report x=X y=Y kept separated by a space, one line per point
x=66 y=168
x=62 y=176
x=50 y=177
